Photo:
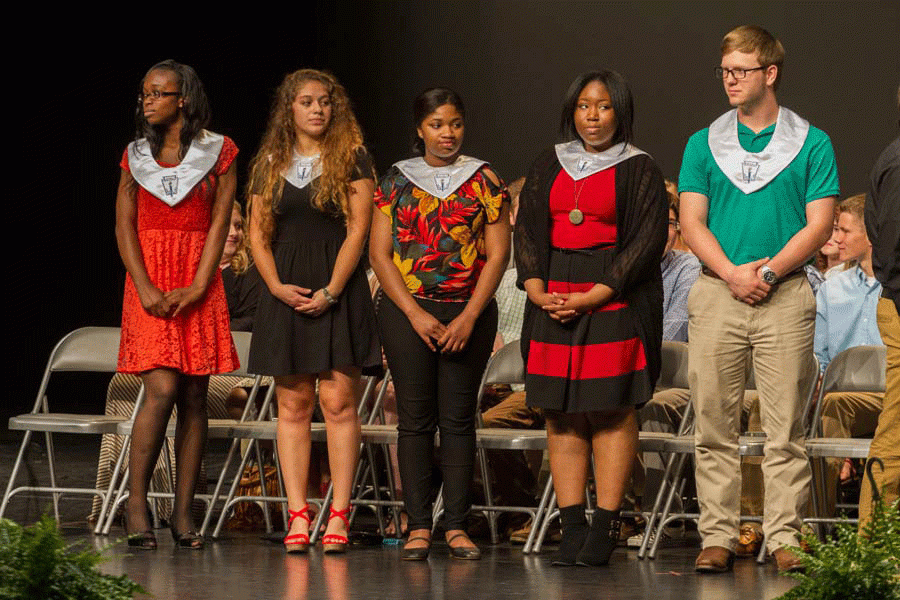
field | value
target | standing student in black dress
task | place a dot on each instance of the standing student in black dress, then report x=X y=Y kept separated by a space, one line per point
x=439 y=245
x=310 y=196
x=590 y=230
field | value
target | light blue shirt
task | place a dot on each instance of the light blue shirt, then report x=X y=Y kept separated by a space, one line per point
x=845 y=314
x=680 y=271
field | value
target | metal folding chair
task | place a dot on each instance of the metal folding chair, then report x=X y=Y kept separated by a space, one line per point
x=89 y=349
x=682 y=446
x=858 y=369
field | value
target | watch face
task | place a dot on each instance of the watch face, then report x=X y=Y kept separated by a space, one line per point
x=769 y=276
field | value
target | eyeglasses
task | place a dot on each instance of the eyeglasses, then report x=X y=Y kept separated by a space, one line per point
x=675 y=224
x=737 y=73
x=154 y=95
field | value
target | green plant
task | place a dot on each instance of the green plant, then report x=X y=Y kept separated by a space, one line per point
x=36 y=562
x=853 y=565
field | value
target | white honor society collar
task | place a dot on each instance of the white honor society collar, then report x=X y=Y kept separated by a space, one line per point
x=302 y=170
x=750 y=171
x=440 y=182
x=579 y=163
x=173 y=184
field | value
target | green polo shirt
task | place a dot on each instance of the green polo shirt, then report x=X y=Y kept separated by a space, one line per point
x=757 y=225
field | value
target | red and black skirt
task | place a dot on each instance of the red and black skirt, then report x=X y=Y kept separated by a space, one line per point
x=595 y=362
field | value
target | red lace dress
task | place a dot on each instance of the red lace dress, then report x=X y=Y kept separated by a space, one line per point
x=197 y=341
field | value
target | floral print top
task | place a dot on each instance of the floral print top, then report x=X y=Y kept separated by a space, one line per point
x=439 y=244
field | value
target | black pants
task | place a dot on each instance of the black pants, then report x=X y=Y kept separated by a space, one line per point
x=434 y=391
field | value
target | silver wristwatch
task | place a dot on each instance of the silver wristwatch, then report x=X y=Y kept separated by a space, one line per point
x=768 y=275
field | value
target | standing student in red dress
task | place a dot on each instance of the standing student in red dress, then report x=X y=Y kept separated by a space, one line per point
x=590 y=230
x=310 y=193
x=175 y=197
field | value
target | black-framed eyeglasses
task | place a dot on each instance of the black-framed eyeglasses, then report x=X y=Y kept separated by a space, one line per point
x=155 y=95
x=737 y=72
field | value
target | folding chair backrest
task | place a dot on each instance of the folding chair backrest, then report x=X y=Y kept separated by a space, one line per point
x=674 y=372
x=858 y=369
x=505 y=366
x=242 y=345
x=93 y=349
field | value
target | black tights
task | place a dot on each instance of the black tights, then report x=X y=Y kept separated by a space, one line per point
x=165 y=389
x=434 y=391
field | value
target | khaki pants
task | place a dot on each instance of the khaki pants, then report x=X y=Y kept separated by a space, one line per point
x=778 y=335
x=886 y=444
x=845 y=415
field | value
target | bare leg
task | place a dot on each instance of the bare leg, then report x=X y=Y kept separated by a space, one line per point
x=339 y=391
x=296 y=399
x=148 y=434
x=615 y=442
x=190 y=444
x=569 y=446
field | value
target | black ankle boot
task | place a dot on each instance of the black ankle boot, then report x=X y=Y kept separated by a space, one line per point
x=574 y=533
x=601 y=540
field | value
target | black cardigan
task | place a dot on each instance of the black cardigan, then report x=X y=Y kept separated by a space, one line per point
x=641 y=233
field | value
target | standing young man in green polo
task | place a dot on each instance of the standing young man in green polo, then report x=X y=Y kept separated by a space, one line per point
x=757 y=199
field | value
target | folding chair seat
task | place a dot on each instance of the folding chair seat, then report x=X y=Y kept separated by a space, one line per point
x=89 y=349
x=858 y=369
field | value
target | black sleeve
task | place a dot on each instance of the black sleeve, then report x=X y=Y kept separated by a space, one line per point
x=530 y=240
x=882 y=218
x=363 y=168
x=641 y=223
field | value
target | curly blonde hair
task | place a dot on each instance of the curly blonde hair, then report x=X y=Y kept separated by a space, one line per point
x=241 y=260
x=339 y=148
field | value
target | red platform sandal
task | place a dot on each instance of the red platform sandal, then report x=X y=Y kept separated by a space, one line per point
x=299 y=542
x=334 y=543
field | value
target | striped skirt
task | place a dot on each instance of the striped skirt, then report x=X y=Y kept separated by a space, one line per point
x=595 y=362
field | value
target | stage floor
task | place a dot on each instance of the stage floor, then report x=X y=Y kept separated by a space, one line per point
x=242 y=565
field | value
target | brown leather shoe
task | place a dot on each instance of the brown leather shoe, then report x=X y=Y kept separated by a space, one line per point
x=788 y=560
x=715 y=559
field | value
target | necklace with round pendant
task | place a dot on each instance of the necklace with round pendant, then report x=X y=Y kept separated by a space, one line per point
x=576 y=216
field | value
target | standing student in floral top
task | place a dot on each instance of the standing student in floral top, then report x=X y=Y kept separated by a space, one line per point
x=439 y=246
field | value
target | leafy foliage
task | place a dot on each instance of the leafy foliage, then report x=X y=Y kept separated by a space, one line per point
x=36 y=562
x=861 y=566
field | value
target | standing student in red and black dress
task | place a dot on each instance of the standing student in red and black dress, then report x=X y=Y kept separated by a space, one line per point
x=439 y=246
x=175 y=197
x=590 y=230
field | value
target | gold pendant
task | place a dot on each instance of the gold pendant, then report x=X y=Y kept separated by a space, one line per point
x=576 y=216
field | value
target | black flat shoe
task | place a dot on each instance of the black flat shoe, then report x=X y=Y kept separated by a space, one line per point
x=416 y=553
x=464 y=552
x=189 y=539
x=145 y=540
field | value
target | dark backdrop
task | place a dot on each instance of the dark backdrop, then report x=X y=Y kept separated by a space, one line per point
x=72 y=114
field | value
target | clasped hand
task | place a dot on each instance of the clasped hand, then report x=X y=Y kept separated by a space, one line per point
x=746 y=284
x=564 y=307
x=303 y=300
x=171 y=303
x=452 y=337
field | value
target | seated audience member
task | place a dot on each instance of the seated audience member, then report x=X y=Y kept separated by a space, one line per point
x=514 y=473
x=846 y=317
x=679 y=244
x=241 y=282
x=827 y=260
